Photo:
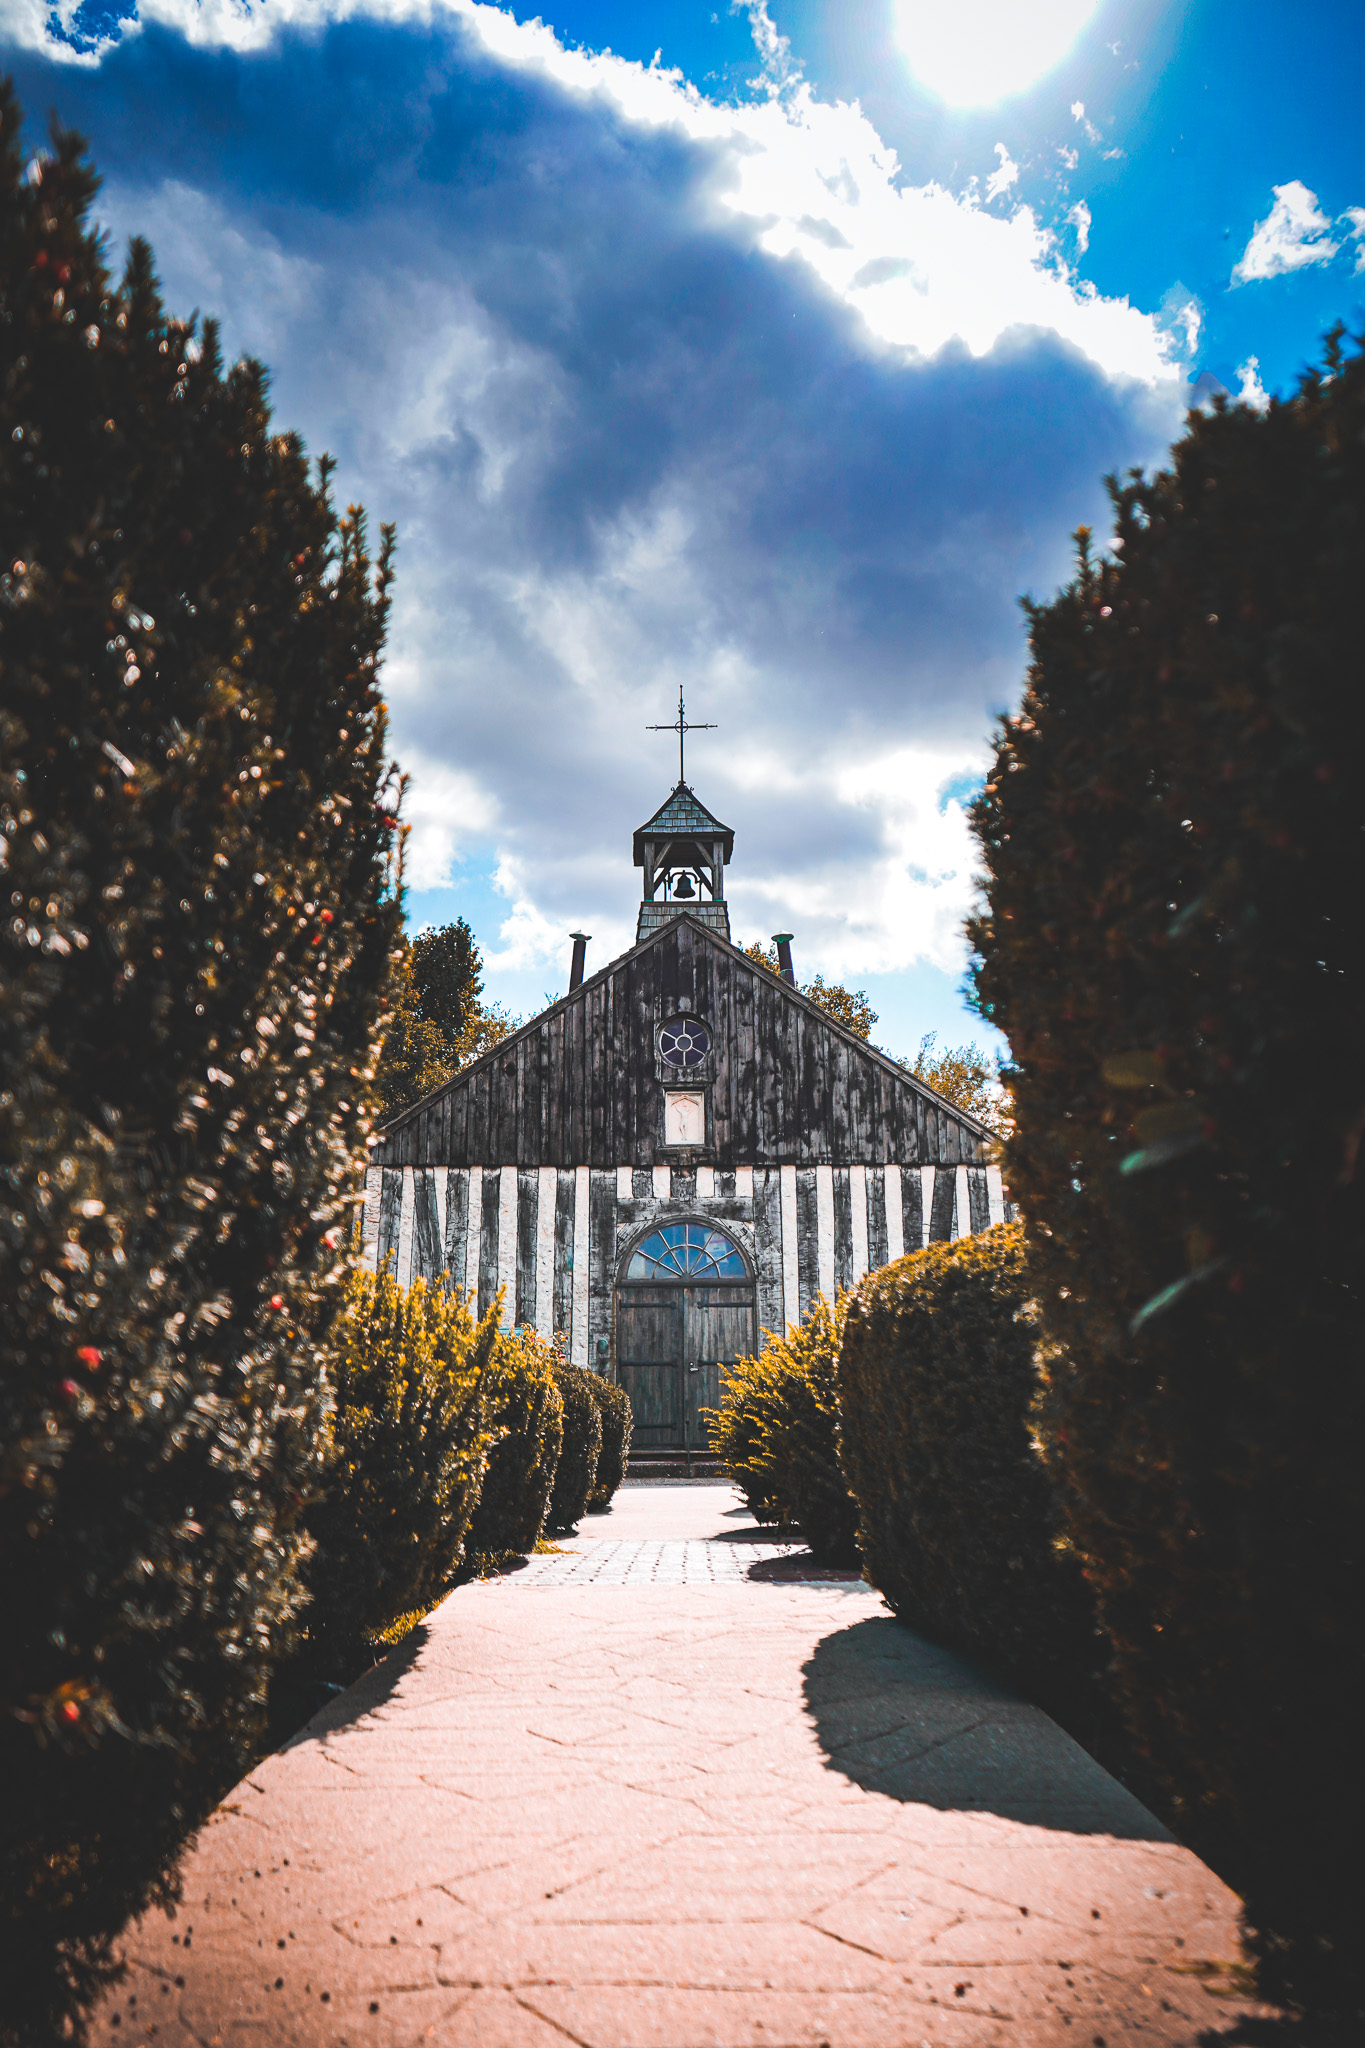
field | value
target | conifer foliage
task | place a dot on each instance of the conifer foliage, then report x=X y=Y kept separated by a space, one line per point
x=412 y=1375
x=1172 y=944
x=777 y=1432
x=195 y=857
x=438 y=1022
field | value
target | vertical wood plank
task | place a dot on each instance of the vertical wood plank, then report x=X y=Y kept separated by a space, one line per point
x=962 y=1203
x=857 y=1201
x=457 y=1226
x=747 y=1111
x=978 y=1199
x=602 y=1268
x=807 y=1240
x=507 y=1242
x=546 y=1216
x=841 y=1189
x=943 y=1204
x=404 y=1271
x=917 y=1192
x=426 y=1229
x=390 y=1214
x=582 y=1263
x=369 y=1218
x=488 y=1239
x=768 y=1246
x=563 y=1254
x=995 y=1195
x=824 y=1211
x=441 y=1176
x=791 y=1279
x=528 y=1190
x=894 y=1194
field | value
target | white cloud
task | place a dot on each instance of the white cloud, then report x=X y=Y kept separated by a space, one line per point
x=1005 y=174
x=1252 y=391
x=782 y=164
x=445 y=810
x=1092 y=133
x=1293 y=234
x=1069 y=158
x=719 y=397
x=1356 y=232
x=1181 y=317
x=1080 y=218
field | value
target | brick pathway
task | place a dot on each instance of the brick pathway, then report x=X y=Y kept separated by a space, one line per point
x=672 y=1788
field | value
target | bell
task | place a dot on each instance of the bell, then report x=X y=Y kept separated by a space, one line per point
x=684 y=887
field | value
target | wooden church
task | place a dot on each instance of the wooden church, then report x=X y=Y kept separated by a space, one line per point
x=680 y=1153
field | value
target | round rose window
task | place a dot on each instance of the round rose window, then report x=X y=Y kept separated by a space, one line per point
x=684 y=1043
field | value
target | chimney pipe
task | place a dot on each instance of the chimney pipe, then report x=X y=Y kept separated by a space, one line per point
x=580 y=947
x=783 y=943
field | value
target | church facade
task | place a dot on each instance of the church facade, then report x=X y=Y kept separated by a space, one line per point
x=682 y=1152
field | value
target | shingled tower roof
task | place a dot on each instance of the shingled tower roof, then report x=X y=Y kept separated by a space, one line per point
x=683 y=815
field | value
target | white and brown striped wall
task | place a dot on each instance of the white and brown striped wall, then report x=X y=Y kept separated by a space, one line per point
x=552 y=1237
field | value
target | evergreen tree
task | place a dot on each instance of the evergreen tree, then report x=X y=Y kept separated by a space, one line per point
x=438 y=1022
x=196 y=841
x=1171 y=941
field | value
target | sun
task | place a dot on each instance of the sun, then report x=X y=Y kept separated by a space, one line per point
x=975 y=52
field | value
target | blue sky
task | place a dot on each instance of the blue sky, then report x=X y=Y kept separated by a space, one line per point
x=777 y=363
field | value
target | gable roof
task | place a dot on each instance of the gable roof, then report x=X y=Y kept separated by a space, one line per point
x=682 y=816
x=570 y=1029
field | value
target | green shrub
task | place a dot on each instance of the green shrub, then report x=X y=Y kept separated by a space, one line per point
x=776 y=1433
x=957 y=1522
x=198 y=924
x=410 y=1370
x=576 y=1472
x=618 y=1421
x=1171 y=943
x=527 y=1418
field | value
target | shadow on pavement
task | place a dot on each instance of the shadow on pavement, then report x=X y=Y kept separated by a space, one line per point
x=899 y=1715
x=799 y=1568
x=370 y=1690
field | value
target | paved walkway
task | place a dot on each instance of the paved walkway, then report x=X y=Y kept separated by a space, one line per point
x=674 y=1788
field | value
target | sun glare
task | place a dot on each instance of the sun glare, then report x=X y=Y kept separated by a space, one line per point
x=976 y=52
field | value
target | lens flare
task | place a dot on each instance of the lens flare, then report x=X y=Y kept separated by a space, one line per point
x=981 y=51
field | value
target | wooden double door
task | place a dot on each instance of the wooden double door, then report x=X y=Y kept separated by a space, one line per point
x=674 y=1342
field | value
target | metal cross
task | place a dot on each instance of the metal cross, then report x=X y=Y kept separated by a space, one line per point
x=681 y=726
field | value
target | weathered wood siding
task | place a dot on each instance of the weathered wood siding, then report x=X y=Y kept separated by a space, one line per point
x=555 y=1241
x=578 y=1086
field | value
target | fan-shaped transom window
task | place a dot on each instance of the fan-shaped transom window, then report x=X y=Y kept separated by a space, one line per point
x=686 y=1251
x=684 y=1043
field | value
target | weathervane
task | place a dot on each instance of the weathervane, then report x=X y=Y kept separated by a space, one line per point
x=682 y=725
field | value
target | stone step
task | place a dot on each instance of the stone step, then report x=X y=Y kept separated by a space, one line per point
x=657 y=1464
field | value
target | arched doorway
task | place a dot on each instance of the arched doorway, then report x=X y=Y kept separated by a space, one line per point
x=684 y=1312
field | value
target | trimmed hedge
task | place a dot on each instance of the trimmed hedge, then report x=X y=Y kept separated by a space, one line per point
x=957 y=1522
x=411 y=1372
x=1172 y=944
x=618 y=1422
x=199 y=917
x=576 y=1472
x=776 y=1433
x=527 y=1418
